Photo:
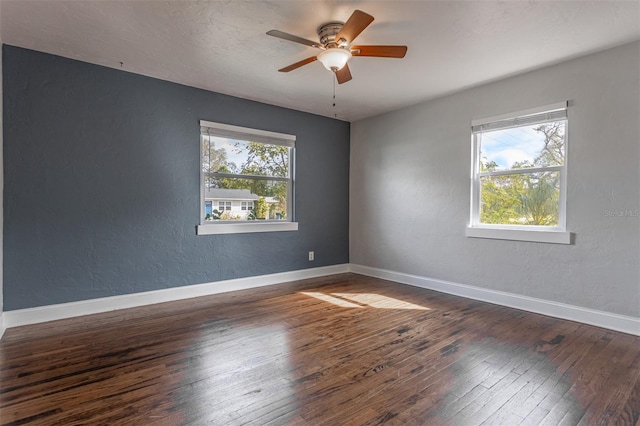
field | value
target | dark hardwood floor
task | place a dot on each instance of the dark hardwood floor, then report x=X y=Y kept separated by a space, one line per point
x=342 y=350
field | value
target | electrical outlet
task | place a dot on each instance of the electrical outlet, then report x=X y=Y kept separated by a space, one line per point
x=311 y=256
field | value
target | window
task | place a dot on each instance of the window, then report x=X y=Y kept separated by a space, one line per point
x=519 y=176
x=239 y=164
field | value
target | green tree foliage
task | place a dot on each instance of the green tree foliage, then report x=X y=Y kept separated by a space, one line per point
x=500 y=200
x=529 y=198
x=267 y=160
x=214 y=160
x=261 y=208
x=539 y=204
x=553 y=152
x=262 y=160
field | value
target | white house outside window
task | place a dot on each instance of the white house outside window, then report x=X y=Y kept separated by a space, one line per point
x=518 y=189
x=248 y=175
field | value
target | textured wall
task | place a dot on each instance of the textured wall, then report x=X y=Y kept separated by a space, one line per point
x=410 y=182
x=1 y=197
x=102 y=184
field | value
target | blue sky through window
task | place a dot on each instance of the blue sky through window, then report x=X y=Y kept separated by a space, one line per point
x=234 y=154
x=508 y=146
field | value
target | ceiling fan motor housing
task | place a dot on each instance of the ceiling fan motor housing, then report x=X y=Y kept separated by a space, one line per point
x=328 y=32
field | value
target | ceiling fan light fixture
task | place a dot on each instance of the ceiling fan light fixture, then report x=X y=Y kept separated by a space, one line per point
x=334 y=58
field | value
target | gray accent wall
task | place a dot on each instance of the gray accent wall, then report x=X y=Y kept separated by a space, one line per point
x=101 y=192
x=1 y=202
x=410 y=183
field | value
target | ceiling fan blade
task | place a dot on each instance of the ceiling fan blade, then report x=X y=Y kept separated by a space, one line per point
x=298 y=64
x=344 y=74
x=356 y=23
x=293 y=38
x=379 y=51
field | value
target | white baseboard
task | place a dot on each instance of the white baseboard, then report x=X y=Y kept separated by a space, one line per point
x=2 y=326
x=603 y=319
x=105 y=304
x=40 y=314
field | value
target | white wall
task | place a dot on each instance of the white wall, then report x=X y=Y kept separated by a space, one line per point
x=420 y=157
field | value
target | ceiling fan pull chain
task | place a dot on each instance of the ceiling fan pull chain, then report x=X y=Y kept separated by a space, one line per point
x=335 y=115
x=334 y=92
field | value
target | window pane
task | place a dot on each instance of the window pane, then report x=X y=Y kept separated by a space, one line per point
x=539 y=145
x=224 y=155
x=520 y=199
x=256 y=199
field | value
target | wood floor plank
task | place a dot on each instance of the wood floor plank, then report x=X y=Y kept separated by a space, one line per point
x=345 y=349
x=575 y=348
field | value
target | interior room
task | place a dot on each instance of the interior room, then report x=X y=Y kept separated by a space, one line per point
x=320 y=212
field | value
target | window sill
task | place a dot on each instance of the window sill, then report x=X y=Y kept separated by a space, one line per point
x=530 y=235
x=245 y=227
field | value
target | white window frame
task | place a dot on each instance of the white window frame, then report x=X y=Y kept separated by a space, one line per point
x=532 y=233
x=254 y=135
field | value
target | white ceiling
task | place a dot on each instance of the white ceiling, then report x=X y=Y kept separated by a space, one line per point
x=222 y=46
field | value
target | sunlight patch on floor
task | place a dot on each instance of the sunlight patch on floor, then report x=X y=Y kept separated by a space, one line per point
x=363 y=300
x=331 y=299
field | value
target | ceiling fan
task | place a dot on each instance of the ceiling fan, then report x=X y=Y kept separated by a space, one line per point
x=335 y=43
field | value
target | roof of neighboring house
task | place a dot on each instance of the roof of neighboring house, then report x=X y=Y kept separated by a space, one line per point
x=229 y=194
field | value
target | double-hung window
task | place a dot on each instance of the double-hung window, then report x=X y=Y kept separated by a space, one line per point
x=239 y=164
x=519 y=173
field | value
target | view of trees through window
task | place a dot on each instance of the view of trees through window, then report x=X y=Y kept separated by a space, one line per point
x=520 y=172
x=246 y=174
